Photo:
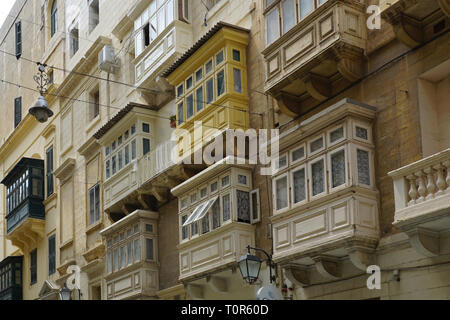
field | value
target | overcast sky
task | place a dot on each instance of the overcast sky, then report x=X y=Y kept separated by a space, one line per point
x=5 y=6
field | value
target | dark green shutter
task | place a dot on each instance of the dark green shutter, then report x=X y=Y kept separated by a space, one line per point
x=18 y=39
x=17 y=111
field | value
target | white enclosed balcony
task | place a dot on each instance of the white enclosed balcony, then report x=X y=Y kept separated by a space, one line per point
x=422 y=202
x=162 y=34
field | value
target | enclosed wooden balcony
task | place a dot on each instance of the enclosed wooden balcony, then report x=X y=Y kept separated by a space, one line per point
x=132 y=267
x=415 y=22
x=325 y=219
x=319 y=56
x=25 y=218
x=217 y=211
x=162 y=35
x=11 y=278
x=422 y=202
x=139 y=167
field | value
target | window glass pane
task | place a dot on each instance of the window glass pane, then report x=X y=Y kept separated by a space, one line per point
x=149 y=249
x=169 y=11
x=122 y=257
x=199 y=99
x=298 y=154
x=216 y=214
x=281 y=193
x=220 y=83
x=133 y=150
x=237 y=80
x=116 y=260
x=203 y=192
x=363 y=167
x=91 y=206
x=299 y=186
x=273 y=27
x=338 y=169
x=194 y=228
x=133 y=129
x=205 y=224
x=184 y=230
x=214 y=187
x=180 y=90
x=219 y=58
x=288 y=7
x=243 y=206
x=137 y=251
x=180 y=113
x=337 y=134
x=225 y=181
x=161 y=21
x=109 y=262
x=316 y=145
x=127 y=154
x=189 y=83
x=209 y=67
x=189 y=106
x=362 y=133
x=114 y=165
x=130 y=253
x=306 y=7
x=226 y=207
x=237 y=55
x=199 y=75
x=209 y=91
x=146 y=128
x=146 y=146
x=318 y=183
x=120 y=159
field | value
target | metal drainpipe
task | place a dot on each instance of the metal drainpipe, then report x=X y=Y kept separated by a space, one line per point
x=108 y=97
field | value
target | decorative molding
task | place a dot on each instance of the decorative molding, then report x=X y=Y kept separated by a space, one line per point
x=318 y=87
x=64 y=171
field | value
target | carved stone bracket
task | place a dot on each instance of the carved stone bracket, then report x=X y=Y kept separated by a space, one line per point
x=297 y=274
x=349 y=61
x=445 y=6
x=406 y=29
x=288 y=104
x=361 y=258
x=217 y=284
x=318 y=87
x=424 y=241
x=194 y=291
x=328 y=267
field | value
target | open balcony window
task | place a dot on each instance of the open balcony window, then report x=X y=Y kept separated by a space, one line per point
x=152 y=22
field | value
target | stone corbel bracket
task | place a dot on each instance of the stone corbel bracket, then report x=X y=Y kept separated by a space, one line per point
x=424 y=241
x=407 y=30
x=217 y=284
x=194 y=291
x=445 y=6
x=328 y=267
x=297 y=274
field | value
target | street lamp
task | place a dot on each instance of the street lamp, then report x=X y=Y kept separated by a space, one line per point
x=41 y=111
x=65 y=293
x=250 y=265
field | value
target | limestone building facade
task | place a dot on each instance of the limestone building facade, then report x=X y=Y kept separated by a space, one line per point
x=108 y=188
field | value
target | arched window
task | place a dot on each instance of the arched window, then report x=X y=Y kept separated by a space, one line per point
x=54 y=18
